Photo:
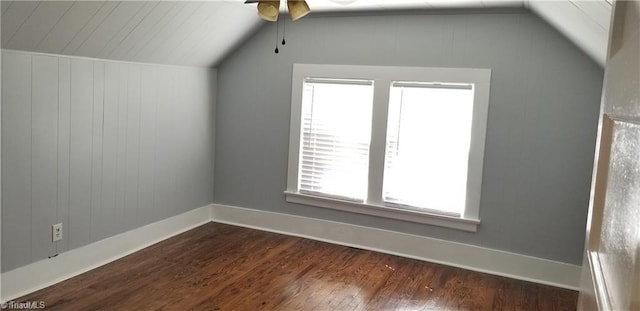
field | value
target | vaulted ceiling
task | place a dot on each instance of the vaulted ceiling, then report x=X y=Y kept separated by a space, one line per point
x=201 y=33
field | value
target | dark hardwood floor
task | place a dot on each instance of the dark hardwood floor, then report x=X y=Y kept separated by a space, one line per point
x=222 y=267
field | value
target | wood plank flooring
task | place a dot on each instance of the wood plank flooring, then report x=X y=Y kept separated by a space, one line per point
x=222 y=267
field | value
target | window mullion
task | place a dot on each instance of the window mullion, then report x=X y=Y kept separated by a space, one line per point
x=378 y=143
x=295 y=133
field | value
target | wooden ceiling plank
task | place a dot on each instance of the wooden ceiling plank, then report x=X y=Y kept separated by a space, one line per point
x=39 y=24
x=186 y=53
x=89 y=27
x=109 y=28
x=157 y=33
x=175 y=25
x=143 y=30
x=183 y=36
x=583 y=31
x=5 y=5
x=596 y=10
x=118 y=38
x=68 y=26
x=16 y=15
x=223 y=39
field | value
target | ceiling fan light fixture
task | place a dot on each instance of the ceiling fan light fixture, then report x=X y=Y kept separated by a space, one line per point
x=297 y=9
x=269 y=9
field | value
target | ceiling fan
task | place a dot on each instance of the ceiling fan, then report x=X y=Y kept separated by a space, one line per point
x=270 y=9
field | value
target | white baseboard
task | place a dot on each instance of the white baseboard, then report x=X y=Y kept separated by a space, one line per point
x=465 y=256
x=38 y=275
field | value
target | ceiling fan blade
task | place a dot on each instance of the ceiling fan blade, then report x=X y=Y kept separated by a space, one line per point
x=269 y=9
x=297 y=9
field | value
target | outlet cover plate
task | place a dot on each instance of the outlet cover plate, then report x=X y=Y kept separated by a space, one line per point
x=57 y=232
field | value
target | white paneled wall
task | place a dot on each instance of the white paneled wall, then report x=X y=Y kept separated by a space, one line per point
x=100 y=146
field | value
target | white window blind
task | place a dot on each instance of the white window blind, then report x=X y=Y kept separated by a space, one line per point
x=336 y=133
x=427 y=147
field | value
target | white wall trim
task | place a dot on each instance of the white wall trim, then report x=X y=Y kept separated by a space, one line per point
x=460 y=255
x=601 y=291
x=459 y=223
x=38 y=275
x=93 y=59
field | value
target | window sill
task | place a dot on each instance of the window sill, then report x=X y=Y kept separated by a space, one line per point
x=459 y=223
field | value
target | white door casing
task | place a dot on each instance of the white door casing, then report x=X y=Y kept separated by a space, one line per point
x=611 y=268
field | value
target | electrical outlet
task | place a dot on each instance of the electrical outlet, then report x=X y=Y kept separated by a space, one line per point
x=57 y=232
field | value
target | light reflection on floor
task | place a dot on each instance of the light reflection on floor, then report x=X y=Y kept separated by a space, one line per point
x=318 y=293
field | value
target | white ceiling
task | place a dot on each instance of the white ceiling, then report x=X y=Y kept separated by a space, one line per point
x=584 y=22
x=192 y=33
x=201 y=33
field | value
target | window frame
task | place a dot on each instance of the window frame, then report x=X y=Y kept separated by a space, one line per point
x=383 y=76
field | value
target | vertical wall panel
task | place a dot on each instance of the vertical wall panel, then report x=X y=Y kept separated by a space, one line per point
x=174 y=122
x=16 y=160
x=181 y=139
x=132 y=147
x=107 y=210
x=198 y=171
x=164 y=133
x=210 y=87
x=44 y=144
x=121 y=151
x=206 y=83
x=187 y=138
x=96 y=152
x=64 y=114
x=101 y=147
x=148 y=101
x=80 y=152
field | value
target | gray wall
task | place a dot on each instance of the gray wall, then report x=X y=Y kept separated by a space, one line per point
x=102 y=147
x=542 y=122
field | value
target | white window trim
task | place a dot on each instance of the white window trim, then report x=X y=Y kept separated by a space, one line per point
x=384 y=75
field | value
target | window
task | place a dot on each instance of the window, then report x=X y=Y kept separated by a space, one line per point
x=427 y=152
x=397 y=142
x=336 y=131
